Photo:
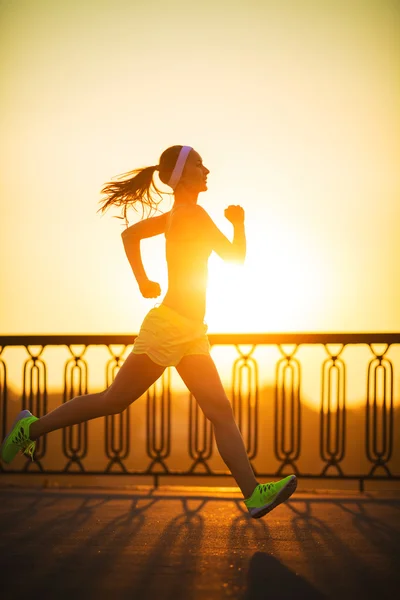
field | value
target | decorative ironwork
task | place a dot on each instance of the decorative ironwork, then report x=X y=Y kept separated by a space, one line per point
x=246 y=363
x=75 y=451
x=3 y=395
x=287 y=451
x=287 y=426
x=379 y=453
x=116 y=427
x=333 y=414
x=34 y=395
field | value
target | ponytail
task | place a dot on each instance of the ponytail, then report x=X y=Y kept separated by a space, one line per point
x=137 y=187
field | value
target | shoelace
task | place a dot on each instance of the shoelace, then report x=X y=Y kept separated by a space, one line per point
x=30 y=449
x=27 y=446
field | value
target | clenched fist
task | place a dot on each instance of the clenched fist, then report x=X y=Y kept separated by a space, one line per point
x=150 y=289
x=234 y=214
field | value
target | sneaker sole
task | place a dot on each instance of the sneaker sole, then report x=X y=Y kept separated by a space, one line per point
x=283 y=495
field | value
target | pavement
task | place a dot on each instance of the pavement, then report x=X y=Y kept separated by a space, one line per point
x=196 y=544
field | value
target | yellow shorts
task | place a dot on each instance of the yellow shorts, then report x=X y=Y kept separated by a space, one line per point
x=166 y=336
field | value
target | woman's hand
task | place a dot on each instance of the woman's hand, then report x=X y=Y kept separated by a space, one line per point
x=234 y=214
x=150 y=289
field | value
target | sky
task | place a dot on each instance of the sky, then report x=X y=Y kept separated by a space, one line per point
x=294 y=108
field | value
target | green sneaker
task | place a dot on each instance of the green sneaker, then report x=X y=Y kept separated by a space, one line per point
x=267 y=496
x=18 y=437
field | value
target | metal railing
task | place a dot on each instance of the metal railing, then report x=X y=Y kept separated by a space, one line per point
x=280 y=418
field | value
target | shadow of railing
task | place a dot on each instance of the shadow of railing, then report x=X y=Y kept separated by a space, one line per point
x=100 y=535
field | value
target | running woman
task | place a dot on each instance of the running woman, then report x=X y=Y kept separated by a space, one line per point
x=174 y=332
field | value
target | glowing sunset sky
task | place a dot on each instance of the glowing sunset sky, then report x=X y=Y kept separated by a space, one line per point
x=294 y=108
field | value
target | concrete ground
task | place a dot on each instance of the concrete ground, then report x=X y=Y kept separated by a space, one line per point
x=188 y=543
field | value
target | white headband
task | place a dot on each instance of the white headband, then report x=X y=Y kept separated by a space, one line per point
x=180 y=163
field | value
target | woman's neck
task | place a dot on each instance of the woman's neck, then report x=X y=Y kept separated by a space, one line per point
x=184 y=196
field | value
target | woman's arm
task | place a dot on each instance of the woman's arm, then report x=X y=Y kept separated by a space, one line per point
x=132 y=251
x=148 y=289
x=131 y=239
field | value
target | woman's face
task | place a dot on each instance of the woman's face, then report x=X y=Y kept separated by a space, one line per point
x=195 y=173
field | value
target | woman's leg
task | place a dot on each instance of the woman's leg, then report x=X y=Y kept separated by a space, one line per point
x=233 y=452
x=201 y=377
x=133 y=379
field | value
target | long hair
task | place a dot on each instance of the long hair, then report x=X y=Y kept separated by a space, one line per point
x=138 y=186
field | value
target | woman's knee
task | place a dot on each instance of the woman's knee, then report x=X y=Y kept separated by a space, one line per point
x=114 y=403
x=218 y=412
x=135 y=377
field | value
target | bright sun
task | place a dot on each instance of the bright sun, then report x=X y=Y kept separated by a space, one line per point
x=279 y=288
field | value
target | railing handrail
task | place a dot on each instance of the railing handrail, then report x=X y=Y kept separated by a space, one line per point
x=215 y=338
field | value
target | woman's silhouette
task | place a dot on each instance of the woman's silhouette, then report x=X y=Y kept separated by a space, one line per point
x=173 y=333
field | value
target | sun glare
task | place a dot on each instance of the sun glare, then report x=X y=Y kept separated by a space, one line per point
x=279 y=288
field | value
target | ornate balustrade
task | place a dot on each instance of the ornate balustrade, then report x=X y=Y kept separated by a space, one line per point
x=284 y=428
